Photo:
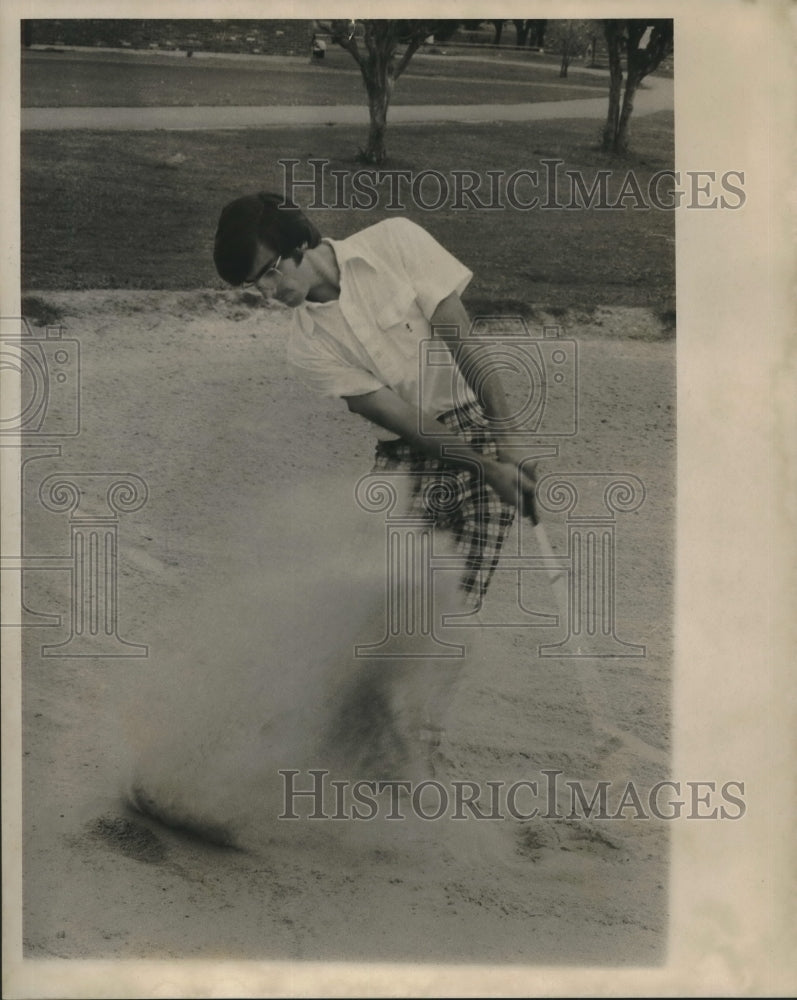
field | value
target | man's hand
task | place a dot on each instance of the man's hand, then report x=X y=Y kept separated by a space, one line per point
x=384 y=408
x=514 y=485
x=519 y=456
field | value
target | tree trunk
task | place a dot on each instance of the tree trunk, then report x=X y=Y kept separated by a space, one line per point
x=378 y=103
x=613 y=43
x=499 y=27
x=537 y=33
x=521 y=31
x=565 y=53
x=621 y=134
x=640 y=62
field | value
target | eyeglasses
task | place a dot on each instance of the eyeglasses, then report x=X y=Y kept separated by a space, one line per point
x=264 y=272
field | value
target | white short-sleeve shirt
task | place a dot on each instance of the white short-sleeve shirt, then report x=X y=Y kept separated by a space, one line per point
x=393 y=275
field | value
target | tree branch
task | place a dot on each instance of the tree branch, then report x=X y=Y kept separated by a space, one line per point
x=348 y=42
x=409 y=52
x=644 y=61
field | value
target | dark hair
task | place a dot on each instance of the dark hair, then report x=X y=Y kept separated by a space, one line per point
x=266 y=217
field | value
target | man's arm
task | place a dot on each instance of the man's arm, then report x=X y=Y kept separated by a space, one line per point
x=486 y=384
x=387 y=409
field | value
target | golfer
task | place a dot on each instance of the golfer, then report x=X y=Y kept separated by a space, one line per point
x=362 y=308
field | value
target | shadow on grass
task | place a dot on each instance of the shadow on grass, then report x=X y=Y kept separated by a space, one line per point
x=40 y=312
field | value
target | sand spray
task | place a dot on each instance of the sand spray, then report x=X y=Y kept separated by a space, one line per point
x=260 y=676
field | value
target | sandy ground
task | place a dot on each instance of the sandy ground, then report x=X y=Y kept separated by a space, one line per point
x=248 y=573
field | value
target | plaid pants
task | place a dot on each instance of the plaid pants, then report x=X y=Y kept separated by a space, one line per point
x=471 y=510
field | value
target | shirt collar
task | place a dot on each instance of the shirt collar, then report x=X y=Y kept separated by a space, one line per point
x=370 y=288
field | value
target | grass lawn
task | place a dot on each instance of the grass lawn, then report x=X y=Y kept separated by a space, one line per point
x=104 y=79
x=105 y=210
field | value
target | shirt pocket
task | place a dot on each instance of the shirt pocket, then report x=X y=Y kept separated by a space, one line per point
x=401 y=307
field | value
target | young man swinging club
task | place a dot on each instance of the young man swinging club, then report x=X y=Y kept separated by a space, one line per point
x=361 y=308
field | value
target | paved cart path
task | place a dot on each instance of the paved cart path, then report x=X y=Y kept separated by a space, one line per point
x=657 y=96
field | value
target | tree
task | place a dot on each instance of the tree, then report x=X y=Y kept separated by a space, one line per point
x=570 y=37
x=380 y=66
x=446 y=30
x=530 y=30
x=499 y=27
x=537 y=28
x=628 y=35
x=595 y=32
x=521 y=32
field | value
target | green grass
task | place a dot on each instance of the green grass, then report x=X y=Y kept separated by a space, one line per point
x=71 y=79
x=103 y=210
